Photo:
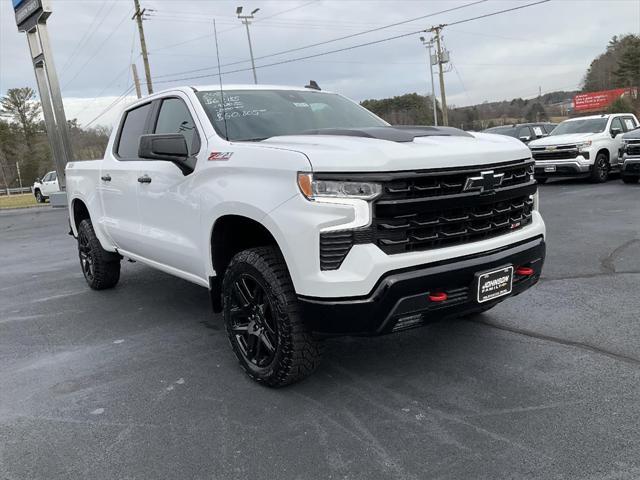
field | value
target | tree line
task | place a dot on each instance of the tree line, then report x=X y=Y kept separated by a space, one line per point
x=24 y=150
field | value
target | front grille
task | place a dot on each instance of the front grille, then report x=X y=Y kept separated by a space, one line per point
x=422 y=231
x=561 y=152
x=633 y=149
x=427 y=210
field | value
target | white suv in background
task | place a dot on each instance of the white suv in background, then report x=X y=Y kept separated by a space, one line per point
x=585 y=146
x=42 y=189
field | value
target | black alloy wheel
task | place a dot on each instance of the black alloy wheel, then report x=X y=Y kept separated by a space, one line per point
x=273 y=344
x=253 y=326
x=86 y=256
x=600 y=172
x=101 y=269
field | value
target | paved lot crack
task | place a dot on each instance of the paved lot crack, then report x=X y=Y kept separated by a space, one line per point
x=569 y=343
x=608 y=263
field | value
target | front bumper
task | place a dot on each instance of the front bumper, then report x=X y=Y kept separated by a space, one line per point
x=631 y=166
x=399 y=299
x=562 y=168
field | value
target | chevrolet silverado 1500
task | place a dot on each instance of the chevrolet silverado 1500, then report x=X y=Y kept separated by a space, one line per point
x=306 y=216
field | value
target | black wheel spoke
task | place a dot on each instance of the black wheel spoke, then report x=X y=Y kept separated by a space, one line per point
x=251 y=324
x=264 y=340
x=242 y=294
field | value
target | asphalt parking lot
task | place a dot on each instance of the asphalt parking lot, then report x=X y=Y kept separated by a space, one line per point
x=140 y=383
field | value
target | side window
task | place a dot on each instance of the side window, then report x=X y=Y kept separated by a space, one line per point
x=549 y=128
x=54 y=176
x=174 y=117
x=47 y=177
x=524 y=132
x=629 y=123
x=616 y=123
x=132 y=128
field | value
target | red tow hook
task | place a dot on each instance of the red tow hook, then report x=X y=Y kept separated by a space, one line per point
x=524 y=271
x=437 y=296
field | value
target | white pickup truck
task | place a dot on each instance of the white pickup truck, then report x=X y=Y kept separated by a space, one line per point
x=307 y=216
x=43 y=188
x=583 y=146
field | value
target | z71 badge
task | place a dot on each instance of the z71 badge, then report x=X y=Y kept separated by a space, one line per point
x=220 y=156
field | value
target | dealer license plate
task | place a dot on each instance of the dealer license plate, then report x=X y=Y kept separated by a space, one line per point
x=495 y=284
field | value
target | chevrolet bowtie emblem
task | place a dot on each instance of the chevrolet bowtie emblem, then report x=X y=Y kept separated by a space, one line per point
x=486 y=182
x=551 y=147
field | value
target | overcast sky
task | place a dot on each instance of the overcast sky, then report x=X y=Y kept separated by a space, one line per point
x=501 y=57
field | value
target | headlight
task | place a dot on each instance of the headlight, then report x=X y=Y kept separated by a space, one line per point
x=313 y=189
x=584 y=145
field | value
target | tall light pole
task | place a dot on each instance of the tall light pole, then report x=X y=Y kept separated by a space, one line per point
x=246 y=19
x=429 y=45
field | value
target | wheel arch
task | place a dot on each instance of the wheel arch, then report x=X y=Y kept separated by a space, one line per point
x=231 y=234
x=80 y=212
x=604 y=151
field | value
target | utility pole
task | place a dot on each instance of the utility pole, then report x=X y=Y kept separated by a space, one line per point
x=136 y=80
x=246 y=20
x=143 y=44
x=429 y=45
x=19 y=176
x=443 y=57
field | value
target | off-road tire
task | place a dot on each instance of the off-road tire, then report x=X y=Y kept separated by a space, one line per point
x=39 y=197
x=101 y=269
x=630 y=178
x=600 y=169
x=296 y=353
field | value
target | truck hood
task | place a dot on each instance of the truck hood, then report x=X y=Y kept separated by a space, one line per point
x=565 y=139
x=338 y=153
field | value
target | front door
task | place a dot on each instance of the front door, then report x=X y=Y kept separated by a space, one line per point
x=169 y=209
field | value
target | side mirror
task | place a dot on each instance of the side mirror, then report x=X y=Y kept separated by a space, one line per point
x=615 y=132
x=525 y=139
x=168 y=147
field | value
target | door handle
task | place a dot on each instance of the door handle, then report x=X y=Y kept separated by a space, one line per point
x=144 y=179
x=106 y=178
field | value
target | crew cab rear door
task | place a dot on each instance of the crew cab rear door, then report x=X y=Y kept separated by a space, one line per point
x=168 y=204
x=118 y=182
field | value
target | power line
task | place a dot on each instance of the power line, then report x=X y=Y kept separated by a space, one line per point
x=201 y=37
x=352 y=47
x=122 y=96
x=343 y=49
x=93 y=55
x=345 y=37
x=87 y=35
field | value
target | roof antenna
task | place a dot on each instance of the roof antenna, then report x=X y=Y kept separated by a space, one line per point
x=224 y=113
x=313 y=85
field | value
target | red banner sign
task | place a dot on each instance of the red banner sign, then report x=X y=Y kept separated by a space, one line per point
x=597 y=100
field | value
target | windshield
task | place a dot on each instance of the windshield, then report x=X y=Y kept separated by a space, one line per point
x=510 y=131
x=259 y=114
x=591 y=125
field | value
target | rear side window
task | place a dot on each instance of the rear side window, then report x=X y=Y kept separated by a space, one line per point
x=132 y=127
x=174 y=117
x=629 y=123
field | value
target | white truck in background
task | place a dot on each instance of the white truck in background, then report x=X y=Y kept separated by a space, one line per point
x=306 y=216
x=43 y=188
x=582 y=146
